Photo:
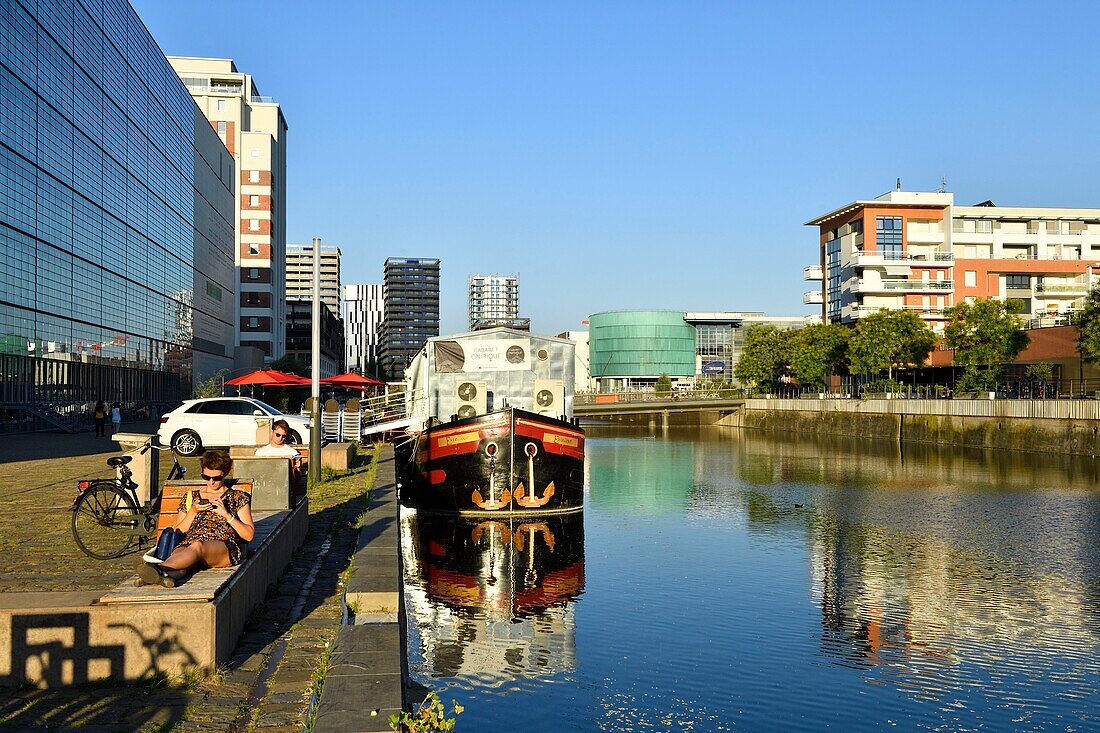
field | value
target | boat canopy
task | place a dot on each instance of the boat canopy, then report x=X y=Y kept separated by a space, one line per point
x=473 y=373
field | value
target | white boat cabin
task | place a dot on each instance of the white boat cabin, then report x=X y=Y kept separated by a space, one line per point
x=474 y=373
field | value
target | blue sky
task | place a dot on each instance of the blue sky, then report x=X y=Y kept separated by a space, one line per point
x=647 y=155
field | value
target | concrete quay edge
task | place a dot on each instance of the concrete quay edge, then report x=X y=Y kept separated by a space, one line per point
x=365 y=682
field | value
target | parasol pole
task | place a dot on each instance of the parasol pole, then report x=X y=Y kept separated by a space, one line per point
x=315 y=386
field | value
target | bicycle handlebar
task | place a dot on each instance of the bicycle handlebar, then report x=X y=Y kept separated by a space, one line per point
x=147 y=445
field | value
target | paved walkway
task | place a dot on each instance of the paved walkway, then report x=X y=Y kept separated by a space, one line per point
x=268 y=683
x=38 y=475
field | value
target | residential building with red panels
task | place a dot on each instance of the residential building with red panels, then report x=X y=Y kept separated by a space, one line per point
x=921 y=252
x=254 y=131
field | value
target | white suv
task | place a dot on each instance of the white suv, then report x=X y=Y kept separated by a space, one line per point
x=222 y=422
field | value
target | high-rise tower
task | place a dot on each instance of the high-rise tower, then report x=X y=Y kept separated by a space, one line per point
x=254 y=131
x=493 y=300
x=299 y=275
x=411 y=313
x=363 y=309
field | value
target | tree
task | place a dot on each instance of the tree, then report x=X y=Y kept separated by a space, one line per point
x=764 y=356
x=1088 y=321
x=292 y=364
x=664 y=385
x=1039 y=372
x=984 y=334
x=888 y=339
x=818 y=351
x=212 y=386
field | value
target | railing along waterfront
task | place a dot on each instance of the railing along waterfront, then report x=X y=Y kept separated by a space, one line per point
x=703 y=395
x=1053 y=409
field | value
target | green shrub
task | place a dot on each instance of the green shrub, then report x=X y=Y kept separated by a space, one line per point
x=429 y=716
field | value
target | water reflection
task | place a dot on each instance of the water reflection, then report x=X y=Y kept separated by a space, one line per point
x=938 y=570
x=741 y=580
x=492 y=599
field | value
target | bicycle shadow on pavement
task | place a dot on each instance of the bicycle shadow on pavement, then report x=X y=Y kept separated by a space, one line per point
x=55 y=651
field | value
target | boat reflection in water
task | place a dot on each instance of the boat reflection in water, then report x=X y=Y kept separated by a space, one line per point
x=492 y=599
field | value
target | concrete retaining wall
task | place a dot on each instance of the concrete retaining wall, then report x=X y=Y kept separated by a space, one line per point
x=1025 y=425
x=61 y=639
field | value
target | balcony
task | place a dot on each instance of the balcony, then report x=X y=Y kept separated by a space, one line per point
x=904 y=286
x=813 y=272
x=813 y=297
x=880 y=259
x=1061 y=289
x=931 y=313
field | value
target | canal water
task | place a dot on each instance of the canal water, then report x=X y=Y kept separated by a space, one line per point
x=741 y=580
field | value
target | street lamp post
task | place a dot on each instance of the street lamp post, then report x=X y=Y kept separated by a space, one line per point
x=315 y=387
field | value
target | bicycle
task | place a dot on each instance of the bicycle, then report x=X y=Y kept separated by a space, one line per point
x=106 y=517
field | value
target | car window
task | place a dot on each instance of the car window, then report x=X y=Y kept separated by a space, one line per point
x=240 y=407
x=267 y=408
x=216 y=407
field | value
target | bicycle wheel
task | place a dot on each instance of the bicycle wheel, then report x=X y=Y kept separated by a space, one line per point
x=104 y=520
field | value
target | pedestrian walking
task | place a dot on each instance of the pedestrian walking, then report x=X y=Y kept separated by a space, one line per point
x=116 y=418
x=100 y=417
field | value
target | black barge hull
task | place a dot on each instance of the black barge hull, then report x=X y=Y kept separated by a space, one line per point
x=505 y=462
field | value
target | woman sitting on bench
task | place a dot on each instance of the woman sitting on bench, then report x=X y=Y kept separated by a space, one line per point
x=216 y=529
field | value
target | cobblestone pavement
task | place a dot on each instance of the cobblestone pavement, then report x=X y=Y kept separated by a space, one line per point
x=38 y=475
x=268 y=683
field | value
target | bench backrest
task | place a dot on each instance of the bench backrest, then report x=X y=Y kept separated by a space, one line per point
x=172 y=499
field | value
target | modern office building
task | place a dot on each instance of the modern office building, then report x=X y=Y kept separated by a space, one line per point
x=299 y=275
x=411 y=313
x=493 y=299
x=631 y=349
x=720 y=338
x=116 y=219
x=363 y=309
x=582 y=375
x=299 y=336
x=253 y=129
x=920 y=252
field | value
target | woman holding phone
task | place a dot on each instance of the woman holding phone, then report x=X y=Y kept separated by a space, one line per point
x=216 y=529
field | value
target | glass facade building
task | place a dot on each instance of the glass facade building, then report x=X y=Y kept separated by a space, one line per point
x=116 y=213
x=633 y=348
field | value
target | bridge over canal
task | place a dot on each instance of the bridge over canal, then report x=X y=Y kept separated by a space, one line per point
x=693 y=408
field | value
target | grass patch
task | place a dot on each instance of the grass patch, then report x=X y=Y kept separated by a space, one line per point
x=198 y=679
x=317 y=681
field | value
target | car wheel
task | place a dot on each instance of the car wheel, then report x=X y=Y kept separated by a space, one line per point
x=293 y=438
x=186 y=443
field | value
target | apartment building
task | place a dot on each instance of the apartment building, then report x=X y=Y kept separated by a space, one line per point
x=411 y=311
x=299 y=337
x=254 y=131
x=920 y=252
x=363 y=310
x=493 y=300
x=116 y=211
x=299 y=275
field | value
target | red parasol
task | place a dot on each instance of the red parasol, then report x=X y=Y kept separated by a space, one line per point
x=262 y=377
x=287 y=379
x=351 y=380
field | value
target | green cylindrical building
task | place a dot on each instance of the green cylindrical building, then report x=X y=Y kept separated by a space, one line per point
x=633 y=348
